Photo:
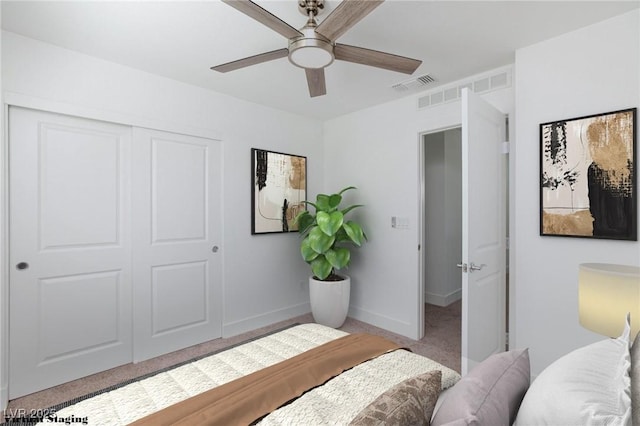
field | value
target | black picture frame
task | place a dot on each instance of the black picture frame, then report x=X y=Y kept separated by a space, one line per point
x=588 y=178
x=278 y=190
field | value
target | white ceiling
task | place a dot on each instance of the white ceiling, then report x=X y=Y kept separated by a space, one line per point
x=182 y=39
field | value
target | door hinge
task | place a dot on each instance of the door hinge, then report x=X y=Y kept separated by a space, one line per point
x=506 y=341
x=505 y=147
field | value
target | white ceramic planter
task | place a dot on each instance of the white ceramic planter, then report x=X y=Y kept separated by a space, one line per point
x=330 y=301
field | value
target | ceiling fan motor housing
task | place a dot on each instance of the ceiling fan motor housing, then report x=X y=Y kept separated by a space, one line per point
x=311 y=50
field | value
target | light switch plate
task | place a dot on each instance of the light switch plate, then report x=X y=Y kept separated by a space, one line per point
x=400 y=222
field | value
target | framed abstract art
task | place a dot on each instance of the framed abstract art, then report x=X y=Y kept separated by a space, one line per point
x=588 y=179
x=278 y=190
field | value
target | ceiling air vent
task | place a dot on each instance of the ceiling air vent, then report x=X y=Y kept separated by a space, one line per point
x=416 y=83
x=425 y=79
x=497 y=79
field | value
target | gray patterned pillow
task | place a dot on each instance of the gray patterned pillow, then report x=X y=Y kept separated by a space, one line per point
x=408 y=403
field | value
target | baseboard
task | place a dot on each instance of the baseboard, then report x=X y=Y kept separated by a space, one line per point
x=381 y=321
x=249 y=324
x=443 y=300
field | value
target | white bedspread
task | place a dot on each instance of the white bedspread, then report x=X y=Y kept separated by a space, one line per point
x=336 y=402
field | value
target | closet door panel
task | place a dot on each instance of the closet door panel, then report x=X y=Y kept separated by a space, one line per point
x=69 y=248
x=177 y=238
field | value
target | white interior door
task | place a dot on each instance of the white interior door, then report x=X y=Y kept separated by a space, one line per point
x=70 y=248
x=177 y=242
x=483 y=231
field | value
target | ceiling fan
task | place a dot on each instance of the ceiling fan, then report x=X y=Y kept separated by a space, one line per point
x=314 y=46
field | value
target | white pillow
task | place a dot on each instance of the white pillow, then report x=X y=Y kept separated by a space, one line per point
x=635 y=381
x=589 y=386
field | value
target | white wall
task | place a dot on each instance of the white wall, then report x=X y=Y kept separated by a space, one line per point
x=589 y=71
x=443 y=216
x=377 y=150
x=435 y=212
x=264 y=278
x=453 y=217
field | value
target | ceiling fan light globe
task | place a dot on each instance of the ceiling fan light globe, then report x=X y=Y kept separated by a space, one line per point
x=310 y=57
x=310 y=50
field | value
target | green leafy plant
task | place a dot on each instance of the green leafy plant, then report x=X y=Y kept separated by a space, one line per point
x=328 y=236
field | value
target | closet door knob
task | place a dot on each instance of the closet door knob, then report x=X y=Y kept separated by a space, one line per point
x=22 y=265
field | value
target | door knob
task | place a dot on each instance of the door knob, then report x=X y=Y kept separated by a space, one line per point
x=462 y=266
x=22 y=265
x=475 y=267
x=214 y=249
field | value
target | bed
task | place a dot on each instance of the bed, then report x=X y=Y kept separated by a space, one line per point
x=323 y=405
x=597 y=384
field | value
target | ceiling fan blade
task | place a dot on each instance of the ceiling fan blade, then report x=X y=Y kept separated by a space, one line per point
x=345 y=16
x=263 y=16
x=251 y=60
x=388 y=61
x=316 y=82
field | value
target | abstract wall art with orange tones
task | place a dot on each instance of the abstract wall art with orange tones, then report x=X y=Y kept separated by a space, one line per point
x=588 y=178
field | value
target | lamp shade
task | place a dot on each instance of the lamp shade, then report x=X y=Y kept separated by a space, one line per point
x=606 y=293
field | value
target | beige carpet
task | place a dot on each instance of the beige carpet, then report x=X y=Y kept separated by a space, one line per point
x=441 y=343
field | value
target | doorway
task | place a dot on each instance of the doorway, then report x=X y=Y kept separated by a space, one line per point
x=483 y=225
x=442 y=234
x=442 y=216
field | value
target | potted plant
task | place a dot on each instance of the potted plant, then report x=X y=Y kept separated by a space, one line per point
x=326 y=245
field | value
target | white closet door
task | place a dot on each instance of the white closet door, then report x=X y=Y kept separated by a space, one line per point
x=177 y=241
x=70 y=248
